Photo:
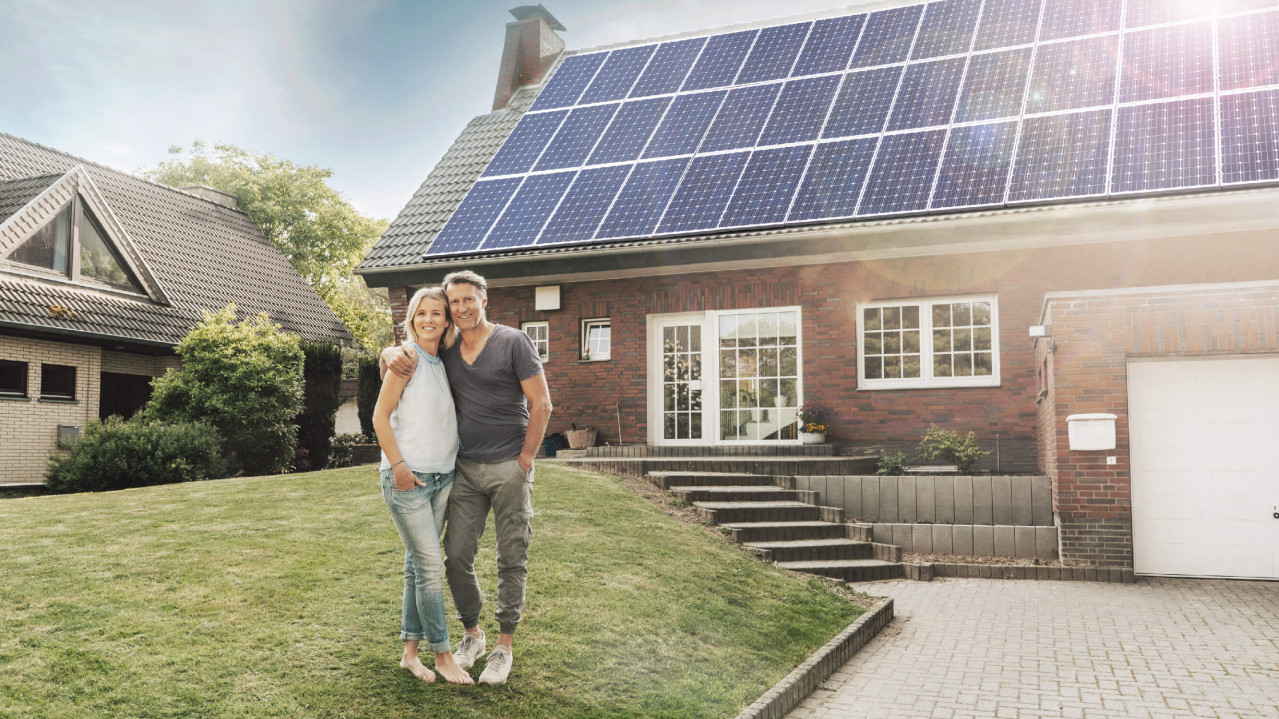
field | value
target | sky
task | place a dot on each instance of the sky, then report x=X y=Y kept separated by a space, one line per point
x=375 y=91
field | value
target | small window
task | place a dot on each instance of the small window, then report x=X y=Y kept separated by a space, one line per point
x=950 y=342
x=13 y=379
x=596 y=339
x=540 y=333
x=49 y=247
x=57 y=381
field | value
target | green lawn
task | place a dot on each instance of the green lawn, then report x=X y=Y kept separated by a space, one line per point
x=280 y=597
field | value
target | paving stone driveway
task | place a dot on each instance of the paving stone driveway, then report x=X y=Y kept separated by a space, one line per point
x=1003 y=648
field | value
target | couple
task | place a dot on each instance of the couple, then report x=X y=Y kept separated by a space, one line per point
x=460 y=416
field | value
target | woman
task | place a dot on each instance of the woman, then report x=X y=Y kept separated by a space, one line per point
x=416 y=426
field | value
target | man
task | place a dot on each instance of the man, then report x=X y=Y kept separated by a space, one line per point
x=503 y=406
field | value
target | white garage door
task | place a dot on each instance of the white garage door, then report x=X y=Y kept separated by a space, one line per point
x=1205 y=466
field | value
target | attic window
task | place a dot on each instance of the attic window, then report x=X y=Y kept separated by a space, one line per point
x=76 y=233
x=49 y=246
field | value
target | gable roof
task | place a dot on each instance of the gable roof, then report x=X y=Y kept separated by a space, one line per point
x=195 y=255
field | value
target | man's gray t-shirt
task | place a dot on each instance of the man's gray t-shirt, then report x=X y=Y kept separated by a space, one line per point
x=492 y=412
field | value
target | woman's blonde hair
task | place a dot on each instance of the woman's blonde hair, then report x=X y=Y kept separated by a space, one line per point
x=433 y=293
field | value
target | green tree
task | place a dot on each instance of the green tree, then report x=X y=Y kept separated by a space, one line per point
x=322 y=374
x=244 y=379
x=320 y=233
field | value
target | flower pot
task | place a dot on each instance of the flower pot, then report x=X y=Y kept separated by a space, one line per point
x=812 y=437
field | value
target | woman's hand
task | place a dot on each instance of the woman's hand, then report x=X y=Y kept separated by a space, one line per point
x=405 y=479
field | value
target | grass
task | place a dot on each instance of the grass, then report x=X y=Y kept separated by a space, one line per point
x=280 y=596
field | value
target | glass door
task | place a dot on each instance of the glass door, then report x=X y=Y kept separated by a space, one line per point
x=681 y=366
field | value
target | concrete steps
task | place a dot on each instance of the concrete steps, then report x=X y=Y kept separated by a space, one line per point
x=667 y=480
x=801 y=550
x=849 y=570
x=742 y=494
x=749 y=532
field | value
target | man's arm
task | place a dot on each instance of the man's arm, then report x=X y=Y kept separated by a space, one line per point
x=539 y=415
x=401 y=360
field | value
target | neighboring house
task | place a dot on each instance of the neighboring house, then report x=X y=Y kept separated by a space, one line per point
x=987 y=215
x=101 y=274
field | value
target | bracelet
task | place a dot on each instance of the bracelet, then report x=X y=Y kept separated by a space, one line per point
x=397 y=464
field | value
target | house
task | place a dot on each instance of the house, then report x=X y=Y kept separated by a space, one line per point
x=101 y=274
x=998 y=216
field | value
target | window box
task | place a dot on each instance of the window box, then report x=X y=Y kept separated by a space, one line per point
x=936 y=342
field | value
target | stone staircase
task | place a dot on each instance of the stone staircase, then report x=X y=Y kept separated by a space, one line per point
x=779 y=523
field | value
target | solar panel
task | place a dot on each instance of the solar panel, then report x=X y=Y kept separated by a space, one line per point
x=629 y=131
x=1165 y=146
x=994 y=85
x=720 y=60
x=1141 y=13
x=830 y=45
x=1225 y=7
x=947 y=29
x=903 y=174
x=576 y=137
x=1167 y=62
x=1074 y=18
x=774 y=53
x=615 y=78
x=531 y=135
x=568 y=82
x=583 y=207
x=685 y=123
x=473 y=218
x=1061 y=156
x=1250 y=137
x=974 y=170
x=763 y=195
x=1007 y=23
x=927 y=94
x=801 y=110
x=521 y=222
x=1074 y=74
x=704 y=193
x=668 y=68
x=888 y=36
x=741 y=117
x=1249 y=48
x=639 y=205
x=863 y=102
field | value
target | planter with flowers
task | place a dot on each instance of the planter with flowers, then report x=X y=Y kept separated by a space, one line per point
x=812 y=423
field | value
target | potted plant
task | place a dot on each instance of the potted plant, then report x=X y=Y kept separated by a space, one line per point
x=812 y=423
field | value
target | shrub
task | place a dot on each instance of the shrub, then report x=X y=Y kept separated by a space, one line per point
x=322 y=381
x=118 y=454
x=243 y=378
x=342 y=451
x=893 y=464
x=368 y=385
x=945 y=445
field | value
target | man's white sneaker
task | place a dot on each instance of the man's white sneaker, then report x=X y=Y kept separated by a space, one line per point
x=498 y=666
x=469 y=649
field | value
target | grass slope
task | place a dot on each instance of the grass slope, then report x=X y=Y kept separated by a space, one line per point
x=280 y=597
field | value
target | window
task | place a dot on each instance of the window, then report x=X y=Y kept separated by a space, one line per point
x=595 y=339
x=540 y=333
x=759 y=375
x=49 y=247
x=13 y=379
x=53 y=246
x=952 y=342
x=57 y=381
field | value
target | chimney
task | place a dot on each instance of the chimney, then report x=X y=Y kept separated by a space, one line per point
x=531 y=49
x=212 y=195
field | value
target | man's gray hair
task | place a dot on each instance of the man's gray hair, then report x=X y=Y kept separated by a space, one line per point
x=466 y=277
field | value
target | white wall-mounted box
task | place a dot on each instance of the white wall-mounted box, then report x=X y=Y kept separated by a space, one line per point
x=1091 y=431
x=546 y=298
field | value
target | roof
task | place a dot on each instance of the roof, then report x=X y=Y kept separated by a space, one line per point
x=204 y=256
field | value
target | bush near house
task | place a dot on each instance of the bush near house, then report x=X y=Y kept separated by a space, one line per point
x=119 y=454
x=369 y=384
x=245 y=379
x=322 y=380
x=945 y=445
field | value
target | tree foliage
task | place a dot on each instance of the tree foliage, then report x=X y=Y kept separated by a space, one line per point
x=119 y=454
x=320 y=233
x=243 y=378
x=368 y=386
x=322 y=375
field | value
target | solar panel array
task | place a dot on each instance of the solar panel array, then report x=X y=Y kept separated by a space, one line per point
x=941 y=106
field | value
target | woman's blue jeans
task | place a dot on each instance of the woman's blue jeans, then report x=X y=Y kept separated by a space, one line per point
x=418 y=514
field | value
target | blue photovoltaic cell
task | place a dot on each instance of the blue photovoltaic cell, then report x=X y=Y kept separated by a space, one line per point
x=685 y=123
x=1007 y=23
x=568 y=82
x=473 y=218
x=583 y=207
x=704 y=192
x=614 y=80
x=764 y=193
x=1250 y=137
x=1072 y=18
x=1163 y=146
x=524 y=216
x=629 y=132
x=830 y=45
x=670 y=64
x=887 y=37
x=576 y=137
x=903 y=174
x=525 y=143
x=741 y=117
x=863 y=102
x=1078 y=73
x=1226 y=7
x=801 y=110
x=974 y=169
x=947 y=29
x=643 y=198
x=774 y=53
x=833 y=182
x=1167 y=62
x=927 y=94
x=1061 y=156
x=994 y=85
x=1157 y=12
x=720 y=60
x=1249 y=47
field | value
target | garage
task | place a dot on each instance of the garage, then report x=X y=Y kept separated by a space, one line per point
x=1204 y=437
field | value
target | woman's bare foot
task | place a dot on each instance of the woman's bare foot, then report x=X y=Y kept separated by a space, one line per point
x=452 y=673
x=419 y=670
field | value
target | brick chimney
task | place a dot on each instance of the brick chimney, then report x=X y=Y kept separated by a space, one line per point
x=532 y=47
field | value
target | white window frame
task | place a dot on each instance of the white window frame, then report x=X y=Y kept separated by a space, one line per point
x=543 y=345
x=587 y=325
x=926 y=380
